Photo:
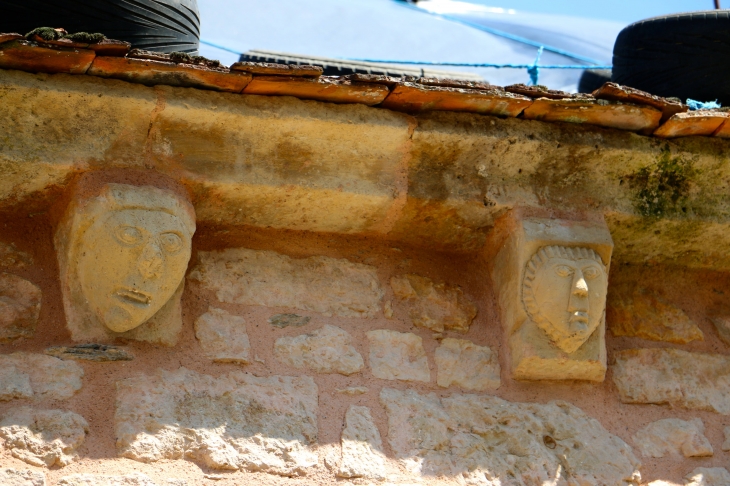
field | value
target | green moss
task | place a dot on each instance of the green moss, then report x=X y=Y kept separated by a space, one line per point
x=662 y=189
x=45 y=33
x=93 y=38
x=185 y=58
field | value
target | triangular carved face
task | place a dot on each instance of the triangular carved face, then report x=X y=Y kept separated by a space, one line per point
x=564 y=292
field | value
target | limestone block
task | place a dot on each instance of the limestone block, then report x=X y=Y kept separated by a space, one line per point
x=14 y=477
x=330 y=286
x=398 y=356
x=647 y=316
x=326 y=350
x=236 y=421
x=133 y=479
x=90 y=352
x=437 y=307
x=43 y=437
x=20 y=306
x=122 y=255
x=489 y=441
x=552 y=278
x=223 y=336
x=673 y=436
x=362 y=449
x=722 y=324
x=726 y=444
x=463 y=363
x=285 y=320
x=692 y=380
x=26 y=375
x=707 y=476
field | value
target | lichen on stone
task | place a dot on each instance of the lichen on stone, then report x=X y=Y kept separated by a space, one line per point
x=90 y=38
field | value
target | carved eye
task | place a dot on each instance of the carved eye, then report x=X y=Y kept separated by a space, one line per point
x=171 y=242
x=564 y=270
x=128 y=235
x=591 y=272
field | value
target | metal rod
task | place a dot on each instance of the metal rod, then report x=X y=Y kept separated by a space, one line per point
x=717 y=5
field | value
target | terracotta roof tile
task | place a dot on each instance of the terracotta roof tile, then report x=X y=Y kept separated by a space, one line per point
x=29 y=56
x=109 y=47
x=150 y=73
x=611 y=114
x=324 y=88
x=271 y=69
x=390 y=81
x=58 y=42
x=615 y=92
x=9 y=37
x=700 y=122
x=456 y=83
x=538 y=92
x=413 y=98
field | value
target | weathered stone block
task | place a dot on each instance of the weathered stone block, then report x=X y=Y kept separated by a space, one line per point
x=25 y=375
x=236 y=421
x=223 y=336
x=11 y=257
x=133 y=479
x=362 y=449
x=437 y=307
x=552 y=278
x=286 y=320
x=675 y=437
x=646 y=316
x=463 y=363
x=122 y=255
x=707 y=476
x=326 y=350
x=14 y=477
x=43 y=437
x=20 y=306
x=692 y=380
x=487 y=440
x=256 y=277
x=398 y=356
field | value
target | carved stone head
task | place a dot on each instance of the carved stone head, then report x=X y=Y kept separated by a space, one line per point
x=124 y=253
x=564 y=293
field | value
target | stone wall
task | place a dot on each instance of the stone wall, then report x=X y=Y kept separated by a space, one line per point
x=315 y=359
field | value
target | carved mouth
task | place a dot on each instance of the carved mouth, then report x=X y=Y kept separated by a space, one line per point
x=579 y=317
x=134 y=297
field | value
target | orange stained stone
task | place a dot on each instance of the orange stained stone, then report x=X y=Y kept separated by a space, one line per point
x=412 y=98
x=150 y=73
x=692 y=123
x=27 y=56
x=615 y=92
x=321 y=89
x=624 y=116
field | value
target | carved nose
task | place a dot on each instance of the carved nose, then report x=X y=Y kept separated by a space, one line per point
x=580 y=287
x=150 y=262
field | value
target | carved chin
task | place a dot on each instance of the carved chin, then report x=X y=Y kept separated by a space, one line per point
x=119 y=319
x=568 y=343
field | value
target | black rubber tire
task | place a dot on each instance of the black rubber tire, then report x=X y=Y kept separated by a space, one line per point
x=683 y=55
x=155 y=25
x=592 y=79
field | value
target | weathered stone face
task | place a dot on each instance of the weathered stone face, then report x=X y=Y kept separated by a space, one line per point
x=134 y=479
x=223 y=336
x=398 y=356
x=707 y=476
x=675 y=437
x=362 y=449
x=564 y=292
x=463 y=363
x=14 y=477
x=123 y=256
x=20 y=306
x=37 y=376
x=326 y=350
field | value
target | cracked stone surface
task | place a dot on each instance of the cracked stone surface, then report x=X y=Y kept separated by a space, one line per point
x=463 y=363
x=362 y=448
x=15 y=477
x=235 y=421
x=435 y=306
x=20 y=306
x=708 y=476
x=330 y=286
x=133 y=479
x=43 y=438
x=37 y=376
x=326 y=350
x=675 y=437
x=223 y=336
x=486 y=439
x=398 y=356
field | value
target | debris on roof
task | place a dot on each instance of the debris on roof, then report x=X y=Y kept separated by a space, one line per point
x=53 y=50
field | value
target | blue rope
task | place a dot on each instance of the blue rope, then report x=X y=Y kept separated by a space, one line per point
x=218 y=46
x=700 y=105
x=534 y=71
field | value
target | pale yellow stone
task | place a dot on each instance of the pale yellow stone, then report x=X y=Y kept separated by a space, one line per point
x=133 y=479
x=38 y=376
x=43 y=437
x=647 y=316
x=437 y=306
x=362 y=449
x=327 y=285
x=398 y=356
x=353 y=390
x=708 y=476
x=692 y=380
x=20 y=306
x=122 y=257
x=235 y=421
x=326 y=350
x=15 y=477
x=552 y=277
x=462 y=363
x=223 y=336
x=486 y=441
x=674 y=437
